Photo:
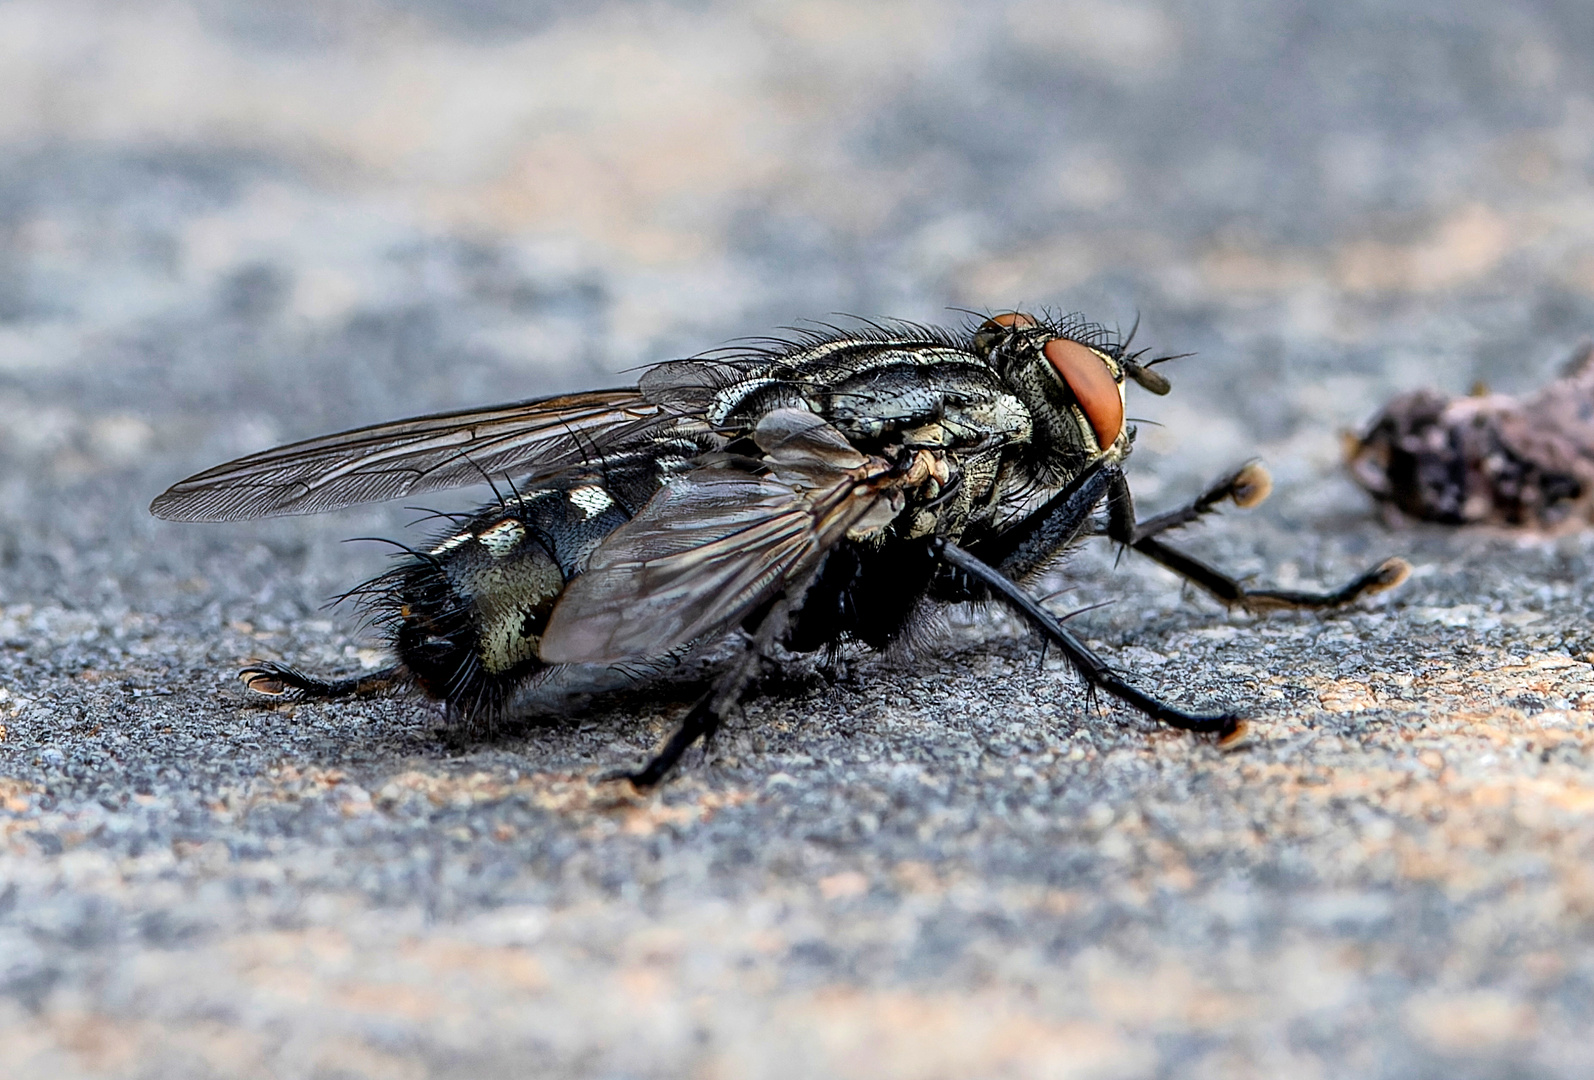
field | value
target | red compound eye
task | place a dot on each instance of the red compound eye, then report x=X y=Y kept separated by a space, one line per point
x=1088 y=376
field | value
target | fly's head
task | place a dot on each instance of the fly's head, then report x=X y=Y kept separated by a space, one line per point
x=1071 y=376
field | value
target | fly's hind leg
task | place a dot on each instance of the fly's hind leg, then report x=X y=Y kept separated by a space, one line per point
x=277 y=680
x=1245 y=487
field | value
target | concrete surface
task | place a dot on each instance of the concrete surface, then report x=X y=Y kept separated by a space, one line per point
x=226 y=224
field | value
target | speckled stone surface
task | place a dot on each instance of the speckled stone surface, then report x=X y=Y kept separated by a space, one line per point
x=225 y=224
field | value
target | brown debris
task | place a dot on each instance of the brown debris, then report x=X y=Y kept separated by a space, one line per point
x=1489 y=458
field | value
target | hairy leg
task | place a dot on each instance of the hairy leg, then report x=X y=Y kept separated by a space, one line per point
x=1246 y=486
x=708 y=713
x=1092 y=667
x=276 y=680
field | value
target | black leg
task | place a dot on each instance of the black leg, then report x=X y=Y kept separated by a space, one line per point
x=705 y=717
x=1041 y=536
x=277 y=680
x=1094 y=670
x=1246 y=486
x=700 y=723
x=702 y=720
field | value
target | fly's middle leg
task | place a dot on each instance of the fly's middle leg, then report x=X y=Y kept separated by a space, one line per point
x=705 y=716
x=700 y=722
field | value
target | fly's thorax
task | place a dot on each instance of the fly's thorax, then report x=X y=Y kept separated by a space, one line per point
x=946 y=390
x=871 y=388
x=897 y=398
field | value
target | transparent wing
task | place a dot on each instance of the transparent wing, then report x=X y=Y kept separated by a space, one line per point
x=404 y=457
x=707 y=550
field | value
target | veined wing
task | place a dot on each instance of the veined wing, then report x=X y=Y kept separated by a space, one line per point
x=709 y=548
x=404 y=457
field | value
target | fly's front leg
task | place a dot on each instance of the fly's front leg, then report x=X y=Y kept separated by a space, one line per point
x=1245 y=487
x=1093 y=668
x=1028 y=545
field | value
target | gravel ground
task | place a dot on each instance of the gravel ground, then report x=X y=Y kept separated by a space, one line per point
x=225 y=224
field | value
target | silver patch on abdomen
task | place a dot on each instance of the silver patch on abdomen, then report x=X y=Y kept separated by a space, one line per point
x=503 y=537
x=590 y=499
x=452 y=542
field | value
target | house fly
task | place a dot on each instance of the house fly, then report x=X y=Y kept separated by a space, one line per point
x=826 y=487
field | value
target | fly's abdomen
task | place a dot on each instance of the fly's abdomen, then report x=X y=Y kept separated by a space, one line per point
x=466 y=617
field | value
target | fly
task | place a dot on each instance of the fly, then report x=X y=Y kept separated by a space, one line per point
x=826 y=488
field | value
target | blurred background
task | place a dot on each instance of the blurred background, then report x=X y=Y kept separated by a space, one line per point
x=226 y=224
